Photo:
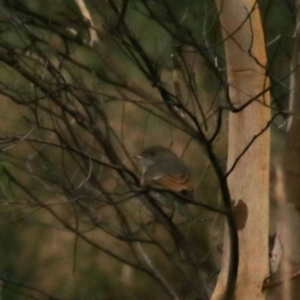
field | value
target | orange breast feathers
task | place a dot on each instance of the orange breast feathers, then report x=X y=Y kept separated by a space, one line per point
x=168 y=175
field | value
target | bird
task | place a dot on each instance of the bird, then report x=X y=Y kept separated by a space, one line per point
x=161 y=167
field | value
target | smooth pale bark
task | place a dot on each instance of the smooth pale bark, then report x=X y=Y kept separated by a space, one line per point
x=249 y=181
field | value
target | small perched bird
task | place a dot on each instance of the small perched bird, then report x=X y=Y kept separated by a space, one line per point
x=162 y=168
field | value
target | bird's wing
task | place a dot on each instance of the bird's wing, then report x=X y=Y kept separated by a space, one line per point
x=165 y=175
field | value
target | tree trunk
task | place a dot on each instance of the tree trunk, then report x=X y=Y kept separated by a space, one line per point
x=249 y=180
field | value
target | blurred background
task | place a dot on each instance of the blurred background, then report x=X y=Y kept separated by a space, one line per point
x=85 y=86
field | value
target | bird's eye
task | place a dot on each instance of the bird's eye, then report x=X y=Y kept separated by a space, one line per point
x=152 y=153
